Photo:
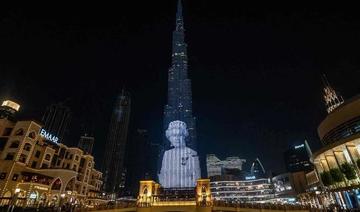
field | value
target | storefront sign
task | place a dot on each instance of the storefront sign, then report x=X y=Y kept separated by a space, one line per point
x=250 y=178
x=33 y=195
x=41 y=188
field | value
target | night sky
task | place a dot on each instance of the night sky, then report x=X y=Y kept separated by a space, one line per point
x=255 y=70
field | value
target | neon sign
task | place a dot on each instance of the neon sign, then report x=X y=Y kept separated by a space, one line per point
x=49 y=136
x=250 y=178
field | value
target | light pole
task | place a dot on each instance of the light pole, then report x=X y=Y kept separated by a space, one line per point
x=62 y=196
x=13 y=200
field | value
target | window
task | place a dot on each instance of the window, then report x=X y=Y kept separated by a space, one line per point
x=14 y=144
x=68 y=166
x=22 y=158
x=9 y=156
x=71 y=157
x=44 y=166
x=19 y=132
x=27 y=147
x=37 y=154
x=15 y=177
x=76 y=157
x=33 y=164
x=2 y=175
x=74 y=168
x=47 y=157
x=3 y=141
x=7 y=131
x=32 y=135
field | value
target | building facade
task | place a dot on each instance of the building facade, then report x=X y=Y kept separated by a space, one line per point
x=56 y=120
x=297 y=158
x=113 y=165
x=217 y=167
x=37 y=170
x=179 y=110
x=250 y=190
x=337 y=162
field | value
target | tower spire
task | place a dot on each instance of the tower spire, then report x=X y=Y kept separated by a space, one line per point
x=179 y=17
x=331 y=98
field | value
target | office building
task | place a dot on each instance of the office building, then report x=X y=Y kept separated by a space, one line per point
x=56 y=120
x=297 y=158
x=114 y=156
x=86 y=144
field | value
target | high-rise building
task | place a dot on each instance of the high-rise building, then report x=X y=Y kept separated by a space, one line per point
x=297 y=158
x=179 y=105
x=113 y=166
x=139 y=163
x=178 y=116
x=56 y=120
x=86 y=144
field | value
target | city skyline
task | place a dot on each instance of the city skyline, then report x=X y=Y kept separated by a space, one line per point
x=232 y=108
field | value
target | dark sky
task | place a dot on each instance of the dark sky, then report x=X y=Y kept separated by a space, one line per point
x=255 y=69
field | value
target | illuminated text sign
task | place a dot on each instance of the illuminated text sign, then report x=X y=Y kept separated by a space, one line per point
x=250 y=178
x=49 y=136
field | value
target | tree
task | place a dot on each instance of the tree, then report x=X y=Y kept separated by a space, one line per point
x=326 y=178
x=337 y=175
x=348 y=170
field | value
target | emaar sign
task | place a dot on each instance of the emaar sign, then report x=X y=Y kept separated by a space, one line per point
x=49 y=136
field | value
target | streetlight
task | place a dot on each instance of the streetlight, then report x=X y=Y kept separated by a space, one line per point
x=61 y=201
x=13 y=200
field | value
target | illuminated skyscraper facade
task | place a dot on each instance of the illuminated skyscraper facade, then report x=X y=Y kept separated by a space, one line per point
x=113 y=166
x=179 y=105
x=179 y=124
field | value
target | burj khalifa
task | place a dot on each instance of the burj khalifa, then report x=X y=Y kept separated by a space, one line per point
x=179 y=160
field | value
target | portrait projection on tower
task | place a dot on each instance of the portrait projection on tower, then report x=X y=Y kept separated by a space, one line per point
x=180 y=166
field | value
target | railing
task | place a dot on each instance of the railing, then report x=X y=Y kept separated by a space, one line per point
x=261 y=206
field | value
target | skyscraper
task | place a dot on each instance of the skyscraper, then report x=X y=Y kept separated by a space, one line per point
x=56 y=120
x=86 y=143
x=297 y=158
x=113 y=166
x=179 y=105
x=179 y=161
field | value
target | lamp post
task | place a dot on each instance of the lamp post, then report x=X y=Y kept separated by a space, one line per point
x=13 y=200
x=62 y=196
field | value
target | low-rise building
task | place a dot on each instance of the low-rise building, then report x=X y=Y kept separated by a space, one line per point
x=36 y=169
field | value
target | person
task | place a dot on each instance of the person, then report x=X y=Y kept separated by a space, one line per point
x=180 y=165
